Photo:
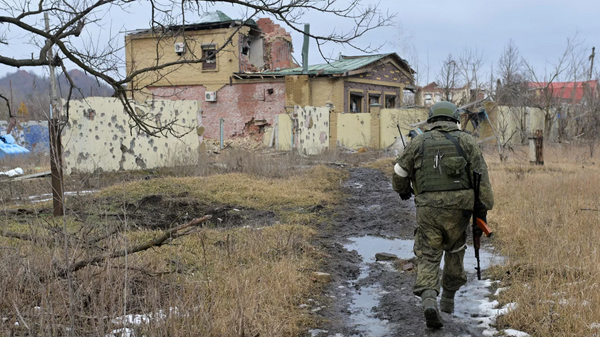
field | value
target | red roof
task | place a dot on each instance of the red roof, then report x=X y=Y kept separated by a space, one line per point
x=566 y=90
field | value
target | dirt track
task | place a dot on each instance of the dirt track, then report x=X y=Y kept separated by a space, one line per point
x=372 y=208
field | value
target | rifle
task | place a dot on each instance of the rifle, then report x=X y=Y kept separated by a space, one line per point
x=479 y=224
x=401 y=138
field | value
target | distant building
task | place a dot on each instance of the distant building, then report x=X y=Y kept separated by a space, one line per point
x=574 y=93
x=433 y=93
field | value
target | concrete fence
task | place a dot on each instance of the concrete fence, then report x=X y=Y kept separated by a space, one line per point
x=98 y=136
x=314 y=129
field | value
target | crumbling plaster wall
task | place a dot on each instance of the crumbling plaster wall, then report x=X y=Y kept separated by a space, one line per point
x=313 y=129
x=283 y=133
x=98 y=138
x=512 y=124
x=390 y=119
x=354 y=130
x=238 y=104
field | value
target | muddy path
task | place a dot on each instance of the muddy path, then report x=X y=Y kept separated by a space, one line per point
x=368 y=298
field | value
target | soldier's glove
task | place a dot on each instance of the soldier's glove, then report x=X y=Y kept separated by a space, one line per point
x=406 y=196
x=480 y=211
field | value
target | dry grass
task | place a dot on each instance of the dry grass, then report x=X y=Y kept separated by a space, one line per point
x=385 y=165
x=317 y=185
x=545 y=219
x=215 y=282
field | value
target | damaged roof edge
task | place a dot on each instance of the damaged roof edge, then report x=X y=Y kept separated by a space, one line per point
x=197 y=26
x=345 y=66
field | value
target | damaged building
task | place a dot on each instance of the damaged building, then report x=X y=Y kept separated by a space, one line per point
x=247 y=75
x=243 y=46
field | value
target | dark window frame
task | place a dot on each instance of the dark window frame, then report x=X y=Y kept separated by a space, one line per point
x=209 y=57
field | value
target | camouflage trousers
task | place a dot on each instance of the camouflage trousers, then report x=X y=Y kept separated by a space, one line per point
x=440 y=232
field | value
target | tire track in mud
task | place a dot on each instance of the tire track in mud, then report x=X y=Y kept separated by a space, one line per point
x=372 y=208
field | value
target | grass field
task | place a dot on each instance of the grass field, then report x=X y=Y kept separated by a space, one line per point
x=546 y=218
x=232 y=280
x=214 y=281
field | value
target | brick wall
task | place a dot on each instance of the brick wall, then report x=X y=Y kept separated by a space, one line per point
x=278 y=45
x=238 y=104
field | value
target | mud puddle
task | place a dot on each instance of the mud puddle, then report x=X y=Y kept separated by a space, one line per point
x=470 y=309
x=370 y=298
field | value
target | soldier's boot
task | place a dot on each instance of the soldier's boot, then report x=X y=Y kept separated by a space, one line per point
x=430 y=309
x=447 y=301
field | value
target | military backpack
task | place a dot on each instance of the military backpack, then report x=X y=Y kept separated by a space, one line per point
x=444 y=166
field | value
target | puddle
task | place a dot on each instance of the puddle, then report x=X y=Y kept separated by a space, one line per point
x=471 y=297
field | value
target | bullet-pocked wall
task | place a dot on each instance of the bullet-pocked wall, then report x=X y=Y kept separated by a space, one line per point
x=98 y=136
x=313 y=129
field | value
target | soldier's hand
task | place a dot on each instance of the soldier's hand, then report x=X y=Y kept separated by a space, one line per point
x=480 y=211
x=405 y=196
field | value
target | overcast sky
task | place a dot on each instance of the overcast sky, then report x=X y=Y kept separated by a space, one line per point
x=433 y=29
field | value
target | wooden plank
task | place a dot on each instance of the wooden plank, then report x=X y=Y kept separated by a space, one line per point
x=31 y=176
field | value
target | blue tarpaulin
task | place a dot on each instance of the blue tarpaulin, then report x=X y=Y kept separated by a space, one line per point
x=9 y=148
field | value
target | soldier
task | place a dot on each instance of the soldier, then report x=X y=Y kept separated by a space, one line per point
x=439 y=163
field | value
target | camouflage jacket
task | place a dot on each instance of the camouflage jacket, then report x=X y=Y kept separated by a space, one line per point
x=461 y=199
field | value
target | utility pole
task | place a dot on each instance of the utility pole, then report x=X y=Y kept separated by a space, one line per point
x=55 y=141
x=591 y=58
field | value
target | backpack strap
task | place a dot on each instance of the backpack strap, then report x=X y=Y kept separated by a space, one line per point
x=455 y=142
x=460 y=151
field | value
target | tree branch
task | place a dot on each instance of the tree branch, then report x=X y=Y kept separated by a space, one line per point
x=156 y=242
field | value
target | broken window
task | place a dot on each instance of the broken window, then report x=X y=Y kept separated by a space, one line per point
x=373 y=99
x=356 y=102
x=209 y=56
x=390 y=101
x=428 y=100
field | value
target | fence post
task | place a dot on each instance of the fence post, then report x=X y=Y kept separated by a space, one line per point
x=536 y=148
x=221 y=123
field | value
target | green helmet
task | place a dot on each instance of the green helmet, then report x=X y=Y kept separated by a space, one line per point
x=446 y=109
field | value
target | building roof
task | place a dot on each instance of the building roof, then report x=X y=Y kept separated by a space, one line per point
x=208 y=20
x=216 y=16
x=566 y=90
x=342 y=66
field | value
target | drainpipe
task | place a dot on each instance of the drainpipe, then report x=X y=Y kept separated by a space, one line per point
x=305 y=49
x=221 y=124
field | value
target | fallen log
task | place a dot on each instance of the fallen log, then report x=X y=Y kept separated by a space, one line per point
x=156 y=242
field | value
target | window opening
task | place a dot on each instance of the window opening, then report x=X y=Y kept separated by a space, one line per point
x=373 y=99
x=356 y=102
x=390 y=101
x=209 y=55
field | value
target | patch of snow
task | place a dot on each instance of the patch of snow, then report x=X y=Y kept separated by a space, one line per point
x=499 y=290
x=123 y=332
x=317 y=332
x=13 y=173
x=473 y=306
x=515 y=333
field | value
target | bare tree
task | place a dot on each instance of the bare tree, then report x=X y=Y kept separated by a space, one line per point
x=569 y=67
x=447 y=79
x=76 y=25
x=469 y=64
x=512 y=91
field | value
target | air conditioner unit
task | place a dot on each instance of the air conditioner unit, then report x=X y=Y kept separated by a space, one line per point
x=210 y=96
x=180 y=48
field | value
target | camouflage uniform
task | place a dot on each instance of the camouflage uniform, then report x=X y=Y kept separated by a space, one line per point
x=442 y=217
